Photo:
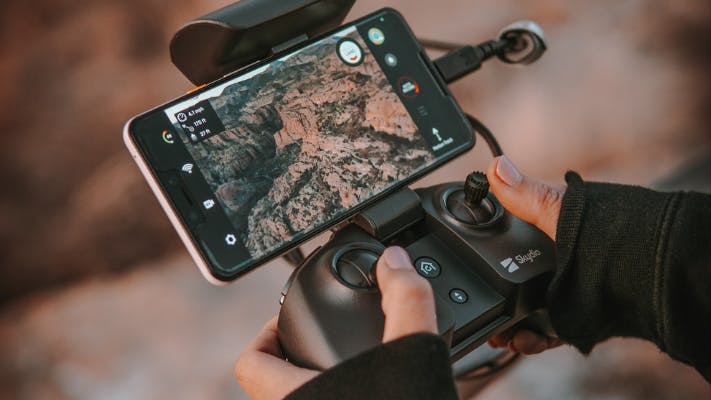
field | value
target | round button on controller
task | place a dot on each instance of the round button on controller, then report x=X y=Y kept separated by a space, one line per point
x=357 y=268
x=427 y=267
x=458 y=296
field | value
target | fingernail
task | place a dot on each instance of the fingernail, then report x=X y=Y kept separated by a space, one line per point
x=512 y=347
x=507 y=172
x=396 y=258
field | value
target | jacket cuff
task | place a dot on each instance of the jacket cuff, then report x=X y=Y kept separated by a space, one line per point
x=413 y=367
x=607 y=281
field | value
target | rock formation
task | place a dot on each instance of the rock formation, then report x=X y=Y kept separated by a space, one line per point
x=305 y=140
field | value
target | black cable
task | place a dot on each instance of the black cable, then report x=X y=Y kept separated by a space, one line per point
x=466 y=59
x=486 y=134
x=462 y=61
x=439 y=44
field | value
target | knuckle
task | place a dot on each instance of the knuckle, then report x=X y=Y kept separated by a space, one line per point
x=549 y=201
x=549 y=198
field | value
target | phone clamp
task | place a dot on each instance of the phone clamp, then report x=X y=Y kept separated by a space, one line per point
x=240 y=34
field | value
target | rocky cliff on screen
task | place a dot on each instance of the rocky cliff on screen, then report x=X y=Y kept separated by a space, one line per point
x=304 y=140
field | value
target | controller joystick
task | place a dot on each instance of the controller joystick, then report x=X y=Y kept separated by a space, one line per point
x=476 y=187
x=471 y=204
x=357 y=268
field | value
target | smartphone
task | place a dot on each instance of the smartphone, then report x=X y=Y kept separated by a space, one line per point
x=255 y=163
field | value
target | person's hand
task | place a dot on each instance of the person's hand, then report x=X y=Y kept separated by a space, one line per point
x=408 y=305
x=263 y=372
x=537 y=203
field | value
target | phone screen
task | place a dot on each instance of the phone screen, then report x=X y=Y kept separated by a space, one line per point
x=269 y=157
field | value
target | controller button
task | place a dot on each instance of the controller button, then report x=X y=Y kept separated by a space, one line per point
x=427 y=267
x=357 y=268
x=458 y=296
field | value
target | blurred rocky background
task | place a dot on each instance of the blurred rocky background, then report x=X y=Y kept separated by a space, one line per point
x=98 y=299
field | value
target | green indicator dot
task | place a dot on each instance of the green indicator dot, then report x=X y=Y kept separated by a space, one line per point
x=382 y=19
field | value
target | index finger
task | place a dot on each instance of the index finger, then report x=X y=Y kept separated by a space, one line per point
x=267 y=340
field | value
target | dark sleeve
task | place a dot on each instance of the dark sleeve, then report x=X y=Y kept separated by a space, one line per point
x=634 y=262
x=413 y=367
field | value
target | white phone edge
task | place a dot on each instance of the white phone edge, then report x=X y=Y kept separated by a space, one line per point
x=170 y=212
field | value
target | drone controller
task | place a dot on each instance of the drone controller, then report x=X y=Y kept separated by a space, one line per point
x=488 y=269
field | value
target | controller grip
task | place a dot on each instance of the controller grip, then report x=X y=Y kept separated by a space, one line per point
x=323 y=321
x=500 y=267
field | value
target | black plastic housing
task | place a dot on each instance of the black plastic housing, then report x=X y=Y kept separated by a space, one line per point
x=324 y=321
x=239 y=34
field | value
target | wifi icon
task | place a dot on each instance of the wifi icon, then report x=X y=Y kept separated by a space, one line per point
x=188 y=167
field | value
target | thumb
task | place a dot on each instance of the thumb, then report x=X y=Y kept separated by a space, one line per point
x=407 y=298
x=533 y=201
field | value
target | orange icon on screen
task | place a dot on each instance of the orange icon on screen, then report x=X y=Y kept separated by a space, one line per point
x=408 y=87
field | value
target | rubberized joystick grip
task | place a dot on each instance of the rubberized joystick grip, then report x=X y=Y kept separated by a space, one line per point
x=471 y=205
x=357 y=268
x=476 y=187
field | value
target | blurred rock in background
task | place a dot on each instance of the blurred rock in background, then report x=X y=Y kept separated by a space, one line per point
x=73 y=72
x=97 y=296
